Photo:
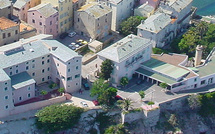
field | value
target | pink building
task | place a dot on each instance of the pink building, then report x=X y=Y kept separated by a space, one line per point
x=20 y=8
x=44 y=18
x=153 y=3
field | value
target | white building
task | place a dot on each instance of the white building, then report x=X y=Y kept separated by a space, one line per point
x=121 y=10
x=170 y=19
x=30 y=62
x=126 y=55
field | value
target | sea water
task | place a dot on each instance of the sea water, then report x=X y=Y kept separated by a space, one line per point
x=205 y=7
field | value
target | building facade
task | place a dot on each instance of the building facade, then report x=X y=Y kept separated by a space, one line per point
x=6 y=8
x=65 y=11
x=20 y=8
x=31 y=62
x=121 y=10
x=9 y=31
x=126 y=56
x=44 y=18
x=93 y=20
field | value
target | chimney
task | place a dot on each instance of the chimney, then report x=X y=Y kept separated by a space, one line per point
x=198 y=56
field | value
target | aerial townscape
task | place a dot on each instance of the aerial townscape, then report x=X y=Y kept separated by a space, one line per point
x=107 y=67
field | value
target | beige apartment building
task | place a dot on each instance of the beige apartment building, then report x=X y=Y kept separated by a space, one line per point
x=93 y=20
x=65 y=10
x=31 y=62
x=9 y=31
x=20 y=8
x=6 y=8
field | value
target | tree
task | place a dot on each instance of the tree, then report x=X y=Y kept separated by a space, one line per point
x=129 y=26
x=163 y=85
x=150 y=103
x=173 y=120
x=105 y=94
x=124 y=81
x=194 y=102
x=106 y=69
x=61 y=90
x=116 y=129
x=202 y=28
x=142 y=94
x=98 y=86
x=58 y=117
x=124 y=104
x=43 y=93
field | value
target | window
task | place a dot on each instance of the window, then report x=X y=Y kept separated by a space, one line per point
x=50 y=22
x=20 y=98
x=40 y=16
x=33 y=74
x=29 y=95
x=3 y=35
x=33 y=66
x=77 y=76
x=29 y=88
x=78 y=19
x=26 y=62
x=76 y=83
x=48 y=55
x=69 y=78
x=17 y=71
x=43 y=71
x=48 y=77
x=48 y=61
x=195 y=80
x=6 y=107
x=68 y=70
x=5 y=83
x=48 y=69
x=5 y=89
x=26 y=68
x=33 y=21
x=69 y=63
x=202 y=82
x=16 y=65
x=41 y=23
x=33 y=60
x=33 y=13
x=76 y=67
x=43 y=57
x=6 y=97
x=76 y=60
x=43 y=79
x=8 y=35
x=42 y=62
x=11 y=73
x=16 y=32
x=57 y=64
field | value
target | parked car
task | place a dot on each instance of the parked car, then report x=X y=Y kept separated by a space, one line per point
x=76 y=45
x=72 y=34
x=117 y=97
x=72 y=47
x=86 y=86
x=140 y=81
x=84 y=104
x=95 y=102
x=63 y=35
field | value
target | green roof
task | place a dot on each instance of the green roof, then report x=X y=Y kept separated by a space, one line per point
x=208 y=68
x=165 y=68
x=156 y=76
x=21 y=80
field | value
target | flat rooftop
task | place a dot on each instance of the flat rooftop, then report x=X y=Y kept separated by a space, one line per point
x=165 y=68
x=21 y=80
x=156 y=76
x=174 y=59
x=208 y=68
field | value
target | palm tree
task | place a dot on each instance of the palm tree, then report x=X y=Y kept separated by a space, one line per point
x=124 y=105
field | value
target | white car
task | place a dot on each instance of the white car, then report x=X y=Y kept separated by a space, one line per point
x=84 y=104
x=72 y=34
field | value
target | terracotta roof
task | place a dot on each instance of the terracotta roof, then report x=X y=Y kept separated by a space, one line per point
x=6 y=23
x=24 y=26
x=74 y=1
x=174 y=59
